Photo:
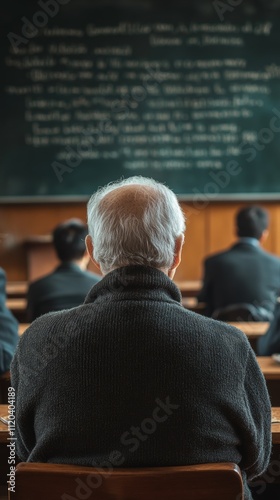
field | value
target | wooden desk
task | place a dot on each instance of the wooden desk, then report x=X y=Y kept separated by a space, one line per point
x=275 y=428
x=16 y=304
x=192 y=304
x=189 y=302
x=18 y=308
x=41 y=256
x=270 y=368
x=189 y=288
x=16 y=289
x=271 y=371
x=22 y=327
x=253 y=330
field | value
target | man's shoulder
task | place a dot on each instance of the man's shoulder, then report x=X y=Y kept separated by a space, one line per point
x=237 y=250
x=215 y=325
x=274 y=259
x=218 y=256
x=42 y=282
x=218 y=332
x=51 y=324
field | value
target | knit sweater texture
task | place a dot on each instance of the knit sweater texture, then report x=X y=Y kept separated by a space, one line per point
x=134 y=379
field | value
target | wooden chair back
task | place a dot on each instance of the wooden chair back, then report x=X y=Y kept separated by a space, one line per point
x=35 y=481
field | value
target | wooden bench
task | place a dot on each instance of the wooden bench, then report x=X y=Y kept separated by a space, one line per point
x=269 y=367
x=16 y=289
x=193 y=305
x=189 y=288
x=253 y=330
x=22 y=327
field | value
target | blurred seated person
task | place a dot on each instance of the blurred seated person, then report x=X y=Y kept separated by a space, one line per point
x=269 y=343
x=245 y=274
x=68 y=285
x=8 y=329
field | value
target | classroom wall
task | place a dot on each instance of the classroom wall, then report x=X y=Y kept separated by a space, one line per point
x=210 y=228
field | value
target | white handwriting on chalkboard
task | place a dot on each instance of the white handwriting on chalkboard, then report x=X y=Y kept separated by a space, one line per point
x=233 y=168
x=85 y=93
x=157 y=41
x=120 y=29
x=92 y=137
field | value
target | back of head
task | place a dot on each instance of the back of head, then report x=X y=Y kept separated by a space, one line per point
x=135 y=221
x=69 y=240
x=252 y=222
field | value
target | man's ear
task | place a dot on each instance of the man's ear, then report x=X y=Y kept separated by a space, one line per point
x=264 y=236
x=177 y=255
x=90 y=249
x=84 y=261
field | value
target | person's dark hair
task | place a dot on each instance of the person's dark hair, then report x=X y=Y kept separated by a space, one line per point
x=69 y=240
x=252 y=222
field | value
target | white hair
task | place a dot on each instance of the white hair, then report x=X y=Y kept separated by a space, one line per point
x=125 y=235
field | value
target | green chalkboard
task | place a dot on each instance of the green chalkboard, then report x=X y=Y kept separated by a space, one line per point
x=184 y=92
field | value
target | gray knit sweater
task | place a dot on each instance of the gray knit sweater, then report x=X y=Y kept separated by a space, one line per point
x=134 y=379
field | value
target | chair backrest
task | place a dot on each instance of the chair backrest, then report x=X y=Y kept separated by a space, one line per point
x=242 y=312
x=34 y=481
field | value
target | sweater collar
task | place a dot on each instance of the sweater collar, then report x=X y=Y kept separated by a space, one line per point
x=146 y=282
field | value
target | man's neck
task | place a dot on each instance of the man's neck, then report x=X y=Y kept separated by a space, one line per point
x=249 y=240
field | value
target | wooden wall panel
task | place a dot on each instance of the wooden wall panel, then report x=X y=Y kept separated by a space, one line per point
x=277 y=229
x=221 y=226
x=222 y=232
x=209 y=230
x=20 y=221
x=195 y=244
x=273 y=241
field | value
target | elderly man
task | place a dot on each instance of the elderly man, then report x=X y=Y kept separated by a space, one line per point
x=131 y=378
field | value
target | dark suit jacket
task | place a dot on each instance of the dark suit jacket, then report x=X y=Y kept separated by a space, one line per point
x=243 y=274
x=270 y=342
x=8 y=329
x=65 y=288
